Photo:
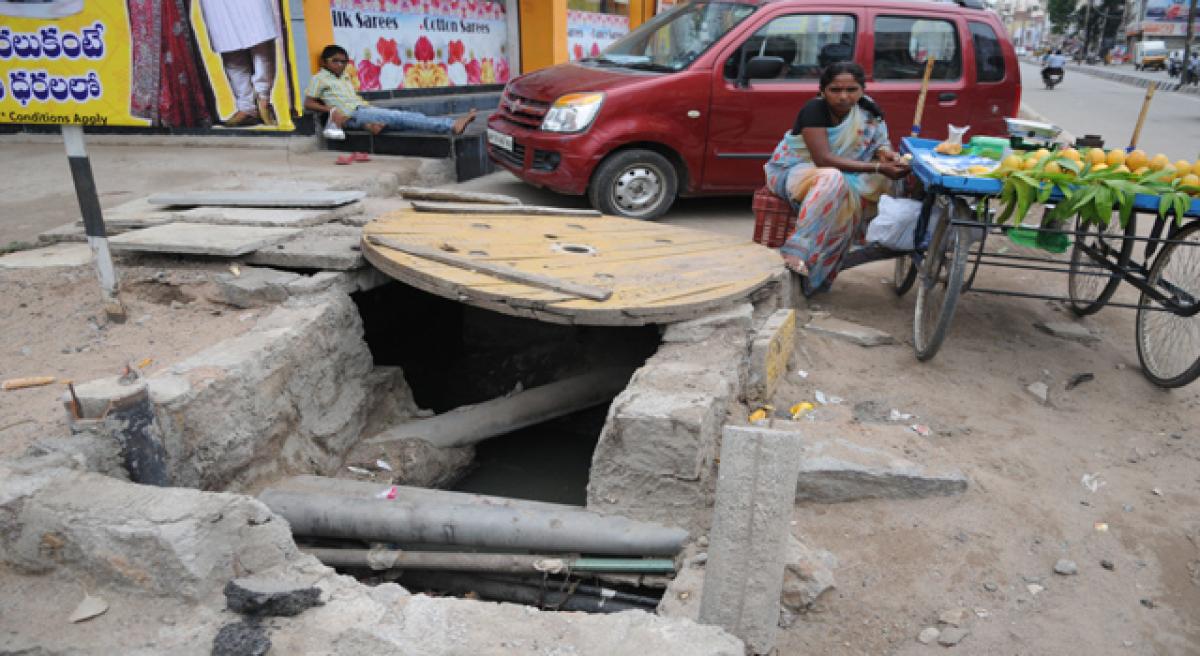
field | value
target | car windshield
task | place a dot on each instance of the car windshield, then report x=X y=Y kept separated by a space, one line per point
x=673 y=40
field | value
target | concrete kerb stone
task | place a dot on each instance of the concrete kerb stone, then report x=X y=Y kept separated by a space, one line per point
x=770 y=351
x=748 y=542
x=849 y=331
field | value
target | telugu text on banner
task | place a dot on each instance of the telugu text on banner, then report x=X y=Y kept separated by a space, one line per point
x=147 y=63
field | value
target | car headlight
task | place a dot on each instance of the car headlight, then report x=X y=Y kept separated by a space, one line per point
x=573 y=112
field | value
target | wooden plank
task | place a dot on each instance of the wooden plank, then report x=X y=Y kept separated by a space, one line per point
x=500 y=210
x=500 y=271
x=455 y=196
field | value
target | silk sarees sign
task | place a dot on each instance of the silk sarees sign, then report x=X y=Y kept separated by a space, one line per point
x=414 y=44
x=144 y=63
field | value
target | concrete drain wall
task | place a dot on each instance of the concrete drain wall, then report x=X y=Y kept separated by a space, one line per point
x=295 y=395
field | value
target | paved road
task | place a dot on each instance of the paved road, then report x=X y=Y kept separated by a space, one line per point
x=1088 y=105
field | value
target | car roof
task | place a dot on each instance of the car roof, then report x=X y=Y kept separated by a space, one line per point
x=943 y=6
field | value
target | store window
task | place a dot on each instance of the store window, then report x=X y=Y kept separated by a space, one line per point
x=902 y=45
x=592 y=25
x=807 y=43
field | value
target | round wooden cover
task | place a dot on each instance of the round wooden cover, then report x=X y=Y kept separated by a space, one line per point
x=546 y=267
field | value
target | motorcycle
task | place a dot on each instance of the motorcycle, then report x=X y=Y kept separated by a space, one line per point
x=1052 y=77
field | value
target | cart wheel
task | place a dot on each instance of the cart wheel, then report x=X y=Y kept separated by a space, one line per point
x=1090 y=285
x=938 y=286
x=1168 y=345
x=903 y=275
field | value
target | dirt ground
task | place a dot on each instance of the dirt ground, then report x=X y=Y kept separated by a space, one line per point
x=902 y=563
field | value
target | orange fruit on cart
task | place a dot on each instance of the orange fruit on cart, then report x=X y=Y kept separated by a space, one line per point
x=1053 y=167
x=1183 y=167
x=1099 y=167
x=1115 y=157
x=1011 y=163
x=1141 y=170
x=1097 y=156
x=1122 y=169
x=1190 y=180
x=1136 y=160
x=1159 y=162
x=1072 y=154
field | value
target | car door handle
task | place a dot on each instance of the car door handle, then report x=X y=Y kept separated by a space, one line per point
x=947 y=97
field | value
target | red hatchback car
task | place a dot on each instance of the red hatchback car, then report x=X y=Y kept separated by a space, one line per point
x=693 y=102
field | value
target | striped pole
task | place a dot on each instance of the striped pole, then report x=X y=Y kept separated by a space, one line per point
x=93 y=219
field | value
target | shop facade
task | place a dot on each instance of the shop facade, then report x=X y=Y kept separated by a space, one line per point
x=403 y=46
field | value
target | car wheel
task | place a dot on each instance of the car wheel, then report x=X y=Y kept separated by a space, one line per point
x=636 y=184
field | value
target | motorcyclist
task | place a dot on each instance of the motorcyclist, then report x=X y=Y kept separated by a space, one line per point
x=1053 y=64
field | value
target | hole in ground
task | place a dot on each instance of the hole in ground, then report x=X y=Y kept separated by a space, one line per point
x=454 y=355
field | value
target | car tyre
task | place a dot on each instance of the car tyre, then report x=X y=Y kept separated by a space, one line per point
x=635 y=184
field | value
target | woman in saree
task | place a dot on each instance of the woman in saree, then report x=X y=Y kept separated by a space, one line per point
x=833 y=166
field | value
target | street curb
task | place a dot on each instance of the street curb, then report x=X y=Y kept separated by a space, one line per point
x=292 y=143
x=1133 y=80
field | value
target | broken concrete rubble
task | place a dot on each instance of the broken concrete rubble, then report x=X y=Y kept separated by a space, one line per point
x=836 y=469
x=327 y=247
x=412 y=462
x=848 y=331
x=183 y=546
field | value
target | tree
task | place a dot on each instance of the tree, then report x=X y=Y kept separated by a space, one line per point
x=1060 y=15
x=1104 y=19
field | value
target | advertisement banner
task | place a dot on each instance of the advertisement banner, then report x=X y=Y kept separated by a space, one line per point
x=589 y=32
x=147 y=63
x=1166 y=11
x=414 y=44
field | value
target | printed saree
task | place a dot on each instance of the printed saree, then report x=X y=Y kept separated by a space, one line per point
x=169 y=85
x=832 y=204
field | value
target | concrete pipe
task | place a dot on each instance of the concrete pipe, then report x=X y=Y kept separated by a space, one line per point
x=471 y=424
x=501 y=528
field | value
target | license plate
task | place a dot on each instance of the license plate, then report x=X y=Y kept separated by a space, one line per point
x=499 y=139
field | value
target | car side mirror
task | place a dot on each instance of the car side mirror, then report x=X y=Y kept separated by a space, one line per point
x=762 y=68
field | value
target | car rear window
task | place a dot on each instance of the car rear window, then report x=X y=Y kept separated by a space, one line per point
x=904 y=43
x=807 y=43
x=989 y=59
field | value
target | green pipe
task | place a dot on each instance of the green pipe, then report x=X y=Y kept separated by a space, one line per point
x=624 y=565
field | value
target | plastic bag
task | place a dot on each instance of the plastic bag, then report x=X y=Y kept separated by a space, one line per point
x=332 y=131
x=953 y=145
x=895 y=224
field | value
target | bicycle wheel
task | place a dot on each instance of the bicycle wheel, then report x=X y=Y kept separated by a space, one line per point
x=904 y=274
x=1168 y=345
x=1090 y=285
x=938 y=287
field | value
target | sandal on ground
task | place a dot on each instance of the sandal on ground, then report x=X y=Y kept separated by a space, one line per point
x=361 y=157
x=343 y=160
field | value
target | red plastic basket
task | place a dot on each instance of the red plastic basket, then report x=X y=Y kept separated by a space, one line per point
x=774 y=218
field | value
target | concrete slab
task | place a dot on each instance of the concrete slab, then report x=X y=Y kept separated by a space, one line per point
x=58 y=255
x=330 y=247
x=748 y=545
x=258 y=198
x=268 y=217
x=848 y=331
x=848 y=463
x=70 y=232
x=255 y=286
x=698 y=330
x=137 y=214
x=201 y=239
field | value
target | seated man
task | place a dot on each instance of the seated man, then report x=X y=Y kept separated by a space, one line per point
x=331 y=90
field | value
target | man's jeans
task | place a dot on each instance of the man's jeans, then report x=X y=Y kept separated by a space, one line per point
x=394 y=119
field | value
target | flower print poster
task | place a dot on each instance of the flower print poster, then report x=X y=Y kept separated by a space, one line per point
x=589 y=32
x=414 y=44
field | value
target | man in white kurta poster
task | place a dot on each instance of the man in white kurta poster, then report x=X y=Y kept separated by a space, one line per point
x=245 y=32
